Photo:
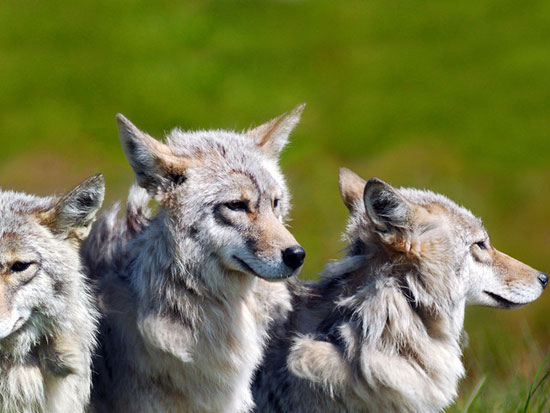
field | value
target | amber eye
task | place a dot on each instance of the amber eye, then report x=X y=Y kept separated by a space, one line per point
x=237 y=206
x=482 y=245
x=20 y=266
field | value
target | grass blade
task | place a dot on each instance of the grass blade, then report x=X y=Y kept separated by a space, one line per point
x=474 y=395
x=537 y=383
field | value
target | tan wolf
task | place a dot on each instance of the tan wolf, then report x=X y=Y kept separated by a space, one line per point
x=382 y=331
x=47 y=319
x=187 y=294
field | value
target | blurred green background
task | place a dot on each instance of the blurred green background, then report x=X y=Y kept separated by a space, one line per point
x=451 y=96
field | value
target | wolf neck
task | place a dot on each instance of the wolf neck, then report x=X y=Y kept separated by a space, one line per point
x=413 y=337
x=191 y=310
x=397 y=311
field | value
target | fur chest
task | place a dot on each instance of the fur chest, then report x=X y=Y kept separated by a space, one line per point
x=22 y=387
x=192 y=360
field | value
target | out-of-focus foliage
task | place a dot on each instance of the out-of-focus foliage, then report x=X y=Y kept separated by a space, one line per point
x=451 y=96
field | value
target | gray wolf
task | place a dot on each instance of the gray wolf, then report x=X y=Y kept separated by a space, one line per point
x=187 y=293
x=48 y=321
x=382 y=330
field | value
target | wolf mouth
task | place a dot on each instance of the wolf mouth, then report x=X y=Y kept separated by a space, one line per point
x=249 y=269
x=501 y=300
x=245 y=266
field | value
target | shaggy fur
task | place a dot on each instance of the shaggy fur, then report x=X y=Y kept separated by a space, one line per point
x=187 y=294
x=382 y=331
x=47 y=319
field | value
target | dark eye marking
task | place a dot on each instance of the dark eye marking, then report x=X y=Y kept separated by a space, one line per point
x=238 y=206
x=481 y=244
x=177 y=178
x=19 y=266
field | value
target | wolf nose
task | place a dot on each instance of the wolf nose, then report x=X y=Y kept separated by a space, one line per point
x=294 y=256
x=543 y=278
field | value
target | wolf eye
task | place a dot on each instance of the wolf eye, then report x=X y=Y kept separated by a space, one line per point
x=275 y=203
x=481 y=244
x=237 y=206
x=20 y=266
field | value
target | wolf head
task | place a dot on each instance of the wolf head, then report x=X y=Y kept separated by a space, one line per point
x=443 y=249
x=223 y=192
x=39 y=261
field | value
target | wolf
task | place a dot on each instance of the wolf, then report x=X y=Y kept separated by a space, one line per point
x=382 y=330
x=48 y=320
x=187 y=294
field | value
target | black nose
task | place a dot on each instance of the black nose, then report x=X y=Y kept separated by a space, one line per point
x=543 y=278
x=294 y=256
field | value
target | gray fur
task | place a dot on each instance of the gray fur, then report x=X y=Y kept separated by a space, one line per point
x=382 y=331
x=47 y=317
x=186 y=293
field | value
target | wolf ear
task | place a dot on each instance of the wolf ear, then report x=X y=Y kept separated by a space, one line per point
x=74 y=212
x=272 y=136
x=385 y=207
x=352 y=187
x=154 y=164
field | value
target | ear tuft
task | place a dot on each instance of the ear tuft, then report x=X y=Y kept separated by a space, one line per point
x=385 y=207
x=272 y=136
x=139 y=149
x=351 y=187
x=75 y=211
x=126 y=128
x=154 y=164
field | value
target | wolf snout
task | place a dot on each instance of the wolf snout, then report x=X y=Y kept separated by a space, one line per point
x=543 y=278
x=294 y=256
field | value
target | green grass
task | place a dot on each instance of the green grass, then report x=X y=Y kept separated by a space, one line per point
x=451 y=96
x=505 y=379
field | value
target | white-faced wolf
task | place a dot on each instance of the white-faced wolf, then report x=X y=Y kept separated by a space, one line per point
x=47 y=319
x=188 y=293
x=382 y=331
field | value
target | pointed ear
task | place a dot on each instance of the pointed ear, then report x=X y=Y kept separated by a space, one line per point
x=272 y=136
x=352 y=187
x=154 y=164
x=72 y=215
x=385 y=207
